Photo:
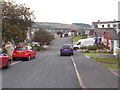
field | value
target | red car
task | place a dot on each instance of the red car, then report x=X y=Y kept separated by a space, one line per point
x=5 y=60
x=23 y=52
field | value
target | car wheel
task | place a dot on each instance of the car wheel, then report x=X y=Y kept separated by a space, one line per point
x=13 y=59
x=72 y=53
x=29 y=58
x=34 y=56
x=61 y=54
x=8 y=64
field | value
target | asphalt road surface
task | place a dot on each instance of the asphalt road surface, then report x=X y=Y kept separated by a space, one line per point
x=50 y=70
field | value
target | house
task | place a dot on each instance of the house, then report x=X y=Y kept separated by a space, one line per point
x=111 y=28
x=89 y=33
x=73 y=33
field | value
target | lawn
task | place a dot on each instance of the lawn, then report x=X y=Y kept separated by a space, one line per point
x=107 y=60
x=96 y=53
x=111 y=66
x=75 y=39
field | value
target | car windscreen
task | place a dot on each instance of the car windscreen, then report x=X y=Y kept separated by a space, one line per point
x=66 y=46
x=78 y=43
x=21 y=48
x=1 y=54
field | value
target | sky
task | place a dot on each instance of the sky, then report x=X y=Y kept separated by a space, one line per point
x=73 y=11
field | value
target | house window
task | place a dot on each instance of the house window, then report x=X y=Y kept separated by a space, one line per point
x=119 y=26
x=114 y=25
x=102 y=26
x=119 y=44
x=108 y=25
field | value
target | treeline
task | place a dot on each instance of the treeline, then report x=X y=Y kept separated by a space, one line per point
x=17 y=20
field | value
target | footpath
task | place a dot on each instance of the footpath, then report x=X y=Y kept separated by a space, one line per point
x=111 y=56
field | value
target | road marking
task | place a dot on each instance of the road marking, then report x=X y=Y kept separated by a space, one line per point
x=115 y=73
x=77 y=73
x=87 y=56
x=15 y=62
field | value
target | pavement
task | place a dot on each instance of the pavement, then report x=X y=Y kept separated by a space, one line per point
x=50 y=70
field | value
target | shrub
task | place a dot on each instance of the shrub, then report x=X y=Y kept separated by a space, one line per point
x=93 y=47
x=5 y=50
x=87 y=51
x=83 y=47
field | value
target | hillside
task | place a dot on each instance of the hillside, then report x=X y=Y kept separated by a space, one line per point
x=82 y=25
x=57 y=26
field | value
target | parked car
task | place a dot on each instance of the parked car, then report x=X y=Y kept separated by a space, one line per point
x=5 y=60
x=66 y=50
x=23 y=52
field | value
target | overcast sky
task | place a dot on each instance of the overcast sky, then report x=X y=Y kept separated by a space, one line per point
x=73 y=11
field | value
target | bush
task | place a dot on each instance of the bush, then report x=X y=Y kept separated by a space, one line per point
x=93 y=47
x=83 y=47
x=36 y=48
x=87 y=51
x=5 y=50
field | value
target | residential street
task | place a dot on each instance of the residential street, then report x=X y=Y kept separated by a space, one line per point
x=50 y=70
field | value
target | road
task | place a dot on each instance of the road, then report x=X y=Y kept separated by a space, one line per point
x=50 y=70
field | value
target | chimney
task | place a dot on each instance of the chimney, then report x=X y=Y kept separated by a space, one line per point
x=99 y=21
x=114 y=20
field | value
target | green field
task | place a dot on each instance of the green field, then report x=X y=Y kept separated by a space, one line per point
x=75 y=39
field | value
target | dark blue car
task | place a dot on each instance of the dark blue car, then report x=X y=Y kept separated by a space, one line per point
x=66 y=50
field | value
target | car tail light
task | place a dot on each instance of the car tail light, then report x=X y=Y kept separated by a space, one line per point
x=70 y=48
x=60 y=49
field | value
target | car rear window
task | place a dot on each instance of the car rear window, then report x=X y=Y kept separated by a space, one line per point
x=21 y=48
x=1 y=54
x=66 y=46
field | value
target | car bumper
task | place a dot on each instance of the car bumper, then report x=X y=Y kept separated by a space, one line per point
x=19 y=58
x=66 y=53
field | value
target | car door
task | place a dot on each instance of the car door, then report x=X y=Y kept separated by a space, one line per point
x=5 y=59
x=31 y=51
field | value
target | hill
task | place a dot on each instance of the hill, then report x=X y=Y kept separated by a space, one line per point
x=82 y=25
x=57 y=26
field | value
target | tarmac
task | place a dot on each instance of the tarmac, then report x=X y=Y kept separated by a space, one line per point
x=111 y=56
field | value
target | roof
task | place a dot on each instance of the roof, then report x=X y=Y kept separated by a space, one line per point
x=111 y=32
x=59 y=33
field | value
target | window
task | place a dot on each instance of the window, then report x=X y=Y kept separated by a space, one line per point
x=114 y=25
x=119 y=26
x=20 y=48
x=78 y=43
x=118 y=44
x=108 y=25
x=103 y=26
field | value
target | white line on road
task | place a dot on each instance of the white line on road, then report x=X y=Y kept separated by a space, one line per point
x=15 y=62
x=87 y=56
x=115 y=73
x=77 y=73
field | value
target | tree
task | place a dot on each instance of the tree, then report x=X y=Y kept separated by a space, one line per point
x=42 y=36
x=16 y=18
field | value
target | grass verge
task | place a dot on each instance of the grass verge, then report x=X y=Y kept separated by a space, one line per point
x=96 y=53
x=107 y=60
x=75 y=39
x=111 y=66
